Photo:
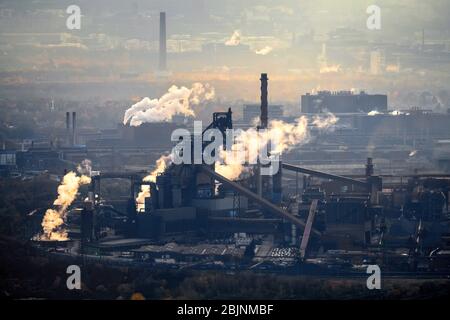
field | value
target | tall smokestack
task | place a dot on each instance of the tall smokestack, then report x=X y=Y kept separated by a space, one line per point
x=69 y=139
x=263 y=125
x=263 y=118
x=369 y=167
x=67 y=121
x=162 y=42
x=74 y=128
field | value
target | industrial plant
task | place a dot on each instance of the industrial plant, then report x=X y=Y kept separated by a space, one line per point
x=224 y=150
x=301 y=219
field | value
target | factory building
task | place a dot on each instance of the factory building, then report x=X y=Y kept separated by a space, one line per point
x=343 y=102
x=193 y=214
x=420 y=123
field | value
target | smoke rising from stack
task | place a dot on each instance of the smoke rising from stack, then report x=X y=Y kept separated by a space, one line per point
x=85 y=167
x=54 y=219
x=325 y=123
x=235 y=39
x=161 y=164
x=279 y=137
x=324 y=66
x=177 y=100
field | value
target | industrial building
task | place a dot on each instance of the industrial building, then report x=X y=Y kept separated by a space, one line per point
x=298 y=219
x=343 y=102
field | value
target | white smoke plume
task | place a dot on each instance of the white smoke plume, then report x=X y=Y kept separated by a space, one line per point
x=161 y=164
x=394 y=68
x=373 y=113
x=264 y=51
x=325 y=123
x=235 y=39
x=330 y=69
x=177 y=100
x=54 y=219
x=398 y=113
x=85 y=167
x=281 y=136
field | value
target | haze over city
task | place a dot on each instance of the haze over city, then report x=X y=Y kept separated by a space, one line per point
x=208 y=150
x=303 y=45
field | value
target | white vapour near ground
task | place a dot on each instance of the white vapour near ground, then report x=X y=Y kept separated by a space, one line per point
x=53 y=221
x=177 y=100
x=279 y=137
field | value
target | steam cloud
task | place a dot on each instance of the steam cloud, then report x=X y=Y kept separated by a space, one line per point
x=177 y=100
x=248 y=143
x=264 y=51
x=85 y=167
x=398 y=113
x=374 y=113
x=161 y=164
x=330 y=69
x=284 y=137
x=235 y=39
x=54 y=219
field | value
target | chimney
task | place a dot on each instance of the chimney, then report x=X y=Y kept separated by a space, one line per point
x=162 y=42
x=69 y=139
x=260 y=180
x=67 y=121
x=74 y=128
x=369 y=167
x=263 y=119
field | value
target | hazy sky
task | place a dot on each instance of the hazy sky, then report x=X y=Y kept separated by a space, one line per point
x=118 y=41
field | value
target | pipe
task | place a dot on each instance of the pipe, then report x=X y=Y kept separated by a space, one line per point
x=325 y=175
x=253 y=196
x=307 y=233
x=136 y=175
